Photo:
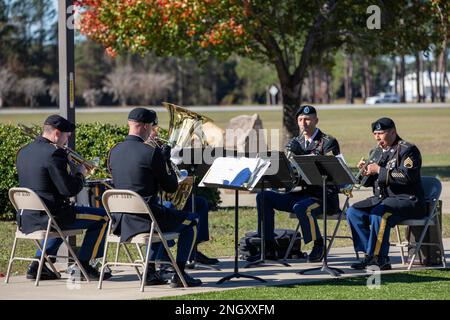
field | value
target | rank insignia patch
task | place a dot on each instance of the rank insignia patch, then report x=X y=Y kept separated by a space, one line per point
x=408 y=163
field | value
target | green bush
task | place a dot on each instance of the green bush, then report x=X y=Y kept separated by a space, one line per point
x=92 y=140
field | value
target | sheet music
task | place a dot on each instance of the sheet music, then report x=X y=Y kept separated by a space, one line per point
x=236 y=172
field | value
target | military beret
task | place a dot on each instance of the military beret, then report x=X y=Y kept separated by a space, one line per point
x=383 y=124
x=58 y=122
x=143 y=115
x=305 y=110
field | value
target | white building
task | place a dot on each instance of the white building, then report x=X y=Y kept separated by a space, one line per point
x=425 y=85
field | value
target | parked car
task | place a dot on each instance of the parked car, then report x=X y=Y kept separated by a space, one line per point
x=383 y=98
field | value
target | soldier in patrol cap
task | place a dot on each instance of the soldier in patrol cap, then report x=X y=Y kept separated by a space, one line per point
x=142 y=168
x=398 y=195
x=43 y=166
x=307 y=203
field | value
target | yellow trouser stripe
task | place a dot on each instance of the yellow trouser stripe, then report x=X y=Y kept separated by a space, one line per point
x=381 y=232
x=91 y=217
x=311 y=220
x=194 y=240
x=99 y=240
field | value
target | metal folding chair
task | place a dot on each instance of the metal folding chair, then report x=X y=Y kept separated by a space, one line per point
x=432 y=188
x=27 y=199
x=129 y=202
x=336 y=217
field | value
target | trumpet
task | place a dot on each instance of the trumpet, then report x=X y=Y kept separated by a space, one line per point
x=374 y=157
x=73 y=156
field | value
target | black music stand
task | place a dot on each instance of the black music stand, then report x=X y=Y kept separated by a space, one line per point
x=324 y=170
x=281 y=179
x=236 y=273
x=194 y=163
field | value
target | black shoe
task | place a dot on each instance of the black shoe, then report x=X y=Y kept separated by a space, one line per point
x=175 y=282
x=381 y=262
x=154 y=278
x=201 y=258
x=92 y=273
x=317 y=253
x=361 y=265
x=46 y=274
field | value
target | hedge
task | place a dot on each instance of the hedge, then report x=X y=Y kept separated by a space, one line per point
x=92 y=140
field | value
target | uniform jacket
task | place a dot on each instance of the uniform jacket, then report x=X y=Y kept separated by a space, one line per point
x=44 y=168
x=139 y=167
x=322 y=144
x=398 y=185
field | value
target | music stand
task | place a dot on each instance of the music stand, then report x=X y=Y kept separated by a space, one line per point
x=280 y=179
x=194 y=163
x=324 y=170
x=235 y=183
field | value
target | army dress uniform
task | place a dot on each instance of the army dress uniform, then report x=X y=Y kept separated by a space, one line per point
x=44 y=167
x=307 y=203
x=139 y=167
x=398 y=195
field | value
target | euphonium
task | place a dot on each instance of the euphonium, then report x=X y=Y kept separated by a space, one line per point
x=184 y=125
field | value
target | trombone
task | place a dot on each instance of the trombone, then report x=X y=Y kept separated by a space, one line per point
x=73 y=156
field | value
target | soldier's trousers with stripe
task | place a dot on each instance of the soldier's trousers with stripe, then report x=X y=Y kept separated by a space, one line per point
x=95 y=221
x=307 y=209
x=187 y=237
x=371 y=228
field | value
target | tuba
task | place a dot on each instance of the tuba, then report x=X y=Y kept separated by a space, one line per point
x=184 y=127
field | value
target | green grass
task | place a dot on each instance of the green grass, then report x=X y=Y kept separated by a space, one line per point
x=221 y=224
x=417 y=285
x=427 y=127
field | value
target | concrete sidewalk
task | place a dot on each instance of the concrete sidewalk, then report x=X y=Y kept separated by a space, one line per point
x=125 y=284
x=249 y=199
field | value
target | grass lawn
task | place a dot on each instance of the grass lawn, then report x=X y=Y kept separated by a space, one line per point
x=221 y=224
x=427 y=127
x=416 y=285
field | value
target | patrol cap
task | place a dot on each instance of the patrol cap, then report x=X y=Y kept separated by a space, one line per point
x=383 y=124
x=305 y=110
x=143 y=115
x=60 y=123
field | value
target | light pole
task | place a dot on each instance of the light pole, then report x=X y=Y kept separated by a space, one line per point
x=66 y=54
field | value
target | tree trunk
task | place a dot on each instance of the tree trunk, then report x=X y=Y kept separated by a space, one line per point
x=394 y=62
x=290 y=107
x=402 y=79
x=418 y=76
x=442 y=70
x=312 y=81
x=180 y=82
x=431 y=79
x=367 y=79
x=328 y=86
x=348 y=80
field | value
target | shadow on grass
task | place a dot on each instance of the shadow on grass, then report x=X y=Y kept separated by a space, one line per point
x=413 y=277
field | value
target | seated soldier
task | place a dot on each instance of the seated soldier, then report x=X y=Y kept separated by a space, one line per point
x=398 y=195
x=140 y=167
x=43 y=166
x=307 y=203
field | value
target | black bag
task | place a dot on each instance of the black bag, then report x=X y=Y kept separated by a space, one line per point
x=250 y=244
x=431 y=255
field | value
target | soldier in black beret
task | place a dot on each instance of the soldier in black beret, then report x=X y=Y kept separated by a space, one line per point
x=394 y=175
x=307 y=203
x=143 y=168
x=43 y=166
